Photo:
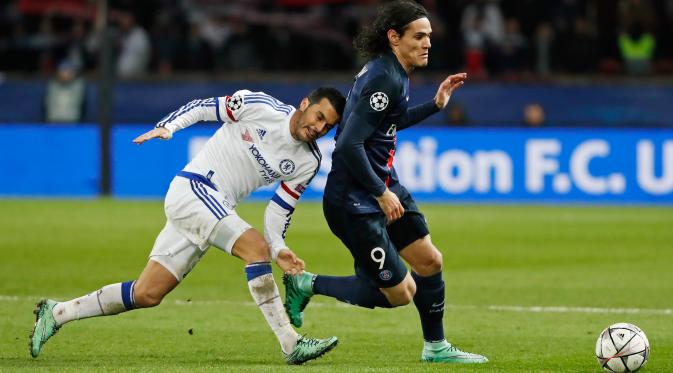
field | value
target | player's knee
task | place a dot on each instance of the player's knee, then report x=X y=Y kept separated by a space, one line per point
x=251 y=247
x=261 y=252
x=402 y=300
x=429 y=265
x=257 y=251
x=404 y=294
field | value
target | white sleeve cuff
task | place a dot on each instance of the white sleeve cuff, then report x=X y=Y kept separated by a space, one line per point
x=275 y=251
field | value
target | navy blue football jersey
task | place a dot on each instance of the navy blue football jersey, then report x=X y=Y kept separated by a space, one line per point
x=376 y=108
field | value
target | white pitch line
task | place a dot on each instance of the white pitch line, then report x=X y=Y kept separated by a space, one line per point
x=495 y=308
x=564 y=309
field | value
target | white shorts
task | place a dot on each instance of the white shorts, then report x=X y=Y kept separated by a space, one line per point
x=193 y=211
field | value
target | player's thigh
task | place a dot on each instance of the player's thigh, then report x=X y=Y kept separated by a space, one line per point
x=365 y=235
x=251 y=247
x=411 y=226
x=204 y=216
x=423 y=256
x=173 y=251
x=410 y=234
x=235 y=236
x=195 y=209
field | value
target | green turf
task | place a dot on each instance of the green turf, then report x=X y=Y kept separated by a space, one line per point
x=602 y=257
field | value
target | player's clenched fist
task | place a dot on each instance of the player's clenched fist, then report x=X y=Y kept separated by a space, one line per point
x=390 y=205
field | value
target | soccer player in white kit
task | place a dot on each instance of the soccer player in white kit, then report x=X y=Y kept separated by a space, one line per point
x=261 y=141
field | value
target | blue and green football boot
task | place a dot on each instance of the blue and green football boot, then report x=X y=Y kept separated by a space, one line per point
x=298 y=292
x=45 y=326
x=309 y=349
x=444 y=352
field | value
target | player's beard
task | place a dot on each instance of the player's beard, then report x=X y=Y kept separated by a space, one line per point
x=310 y=134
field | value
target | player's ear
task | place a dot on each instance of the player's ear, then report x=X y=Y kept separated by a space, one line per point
x=304 y=104
x=393 y=37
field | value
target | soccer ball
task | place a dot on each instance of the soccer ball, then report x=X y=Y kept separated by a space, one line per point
x=622 y=347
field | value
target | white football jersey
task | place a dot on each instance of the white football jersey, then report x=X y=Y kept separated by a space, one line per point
x=251 y=149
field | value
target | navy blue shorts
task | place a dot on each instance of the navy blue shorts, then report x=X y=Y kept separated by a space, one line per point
x=375 y=245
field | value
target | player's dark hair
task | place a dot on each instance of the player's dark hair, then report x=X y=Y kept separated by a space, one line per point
x=397 y=15
x=333 y=95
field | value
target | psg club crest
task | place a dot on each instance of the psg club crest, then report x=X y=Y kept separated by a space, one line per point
x=286 y=166
x=385 y=275
x=235 y=103
x=378 y=101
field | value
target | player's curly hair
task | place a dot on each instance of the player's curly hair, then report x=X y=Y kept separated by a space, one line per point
x=373 y=40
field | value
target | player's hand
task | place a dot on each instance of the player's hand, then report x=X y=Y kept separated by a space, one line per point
x=159 y=132
x=447 y=87
x=289 y=262
x=390 y=205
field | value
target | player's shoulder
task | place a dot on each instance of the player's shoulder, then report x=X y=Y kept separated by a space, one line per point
x=264 y=102
x=378 y=74
x=255 y=106
x=311 y=154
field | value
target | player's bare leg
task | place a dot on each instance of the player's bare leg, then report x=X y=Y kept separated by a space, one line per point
x=252 y=248
x=426 y=263
x=402 y=293
x=153 y=284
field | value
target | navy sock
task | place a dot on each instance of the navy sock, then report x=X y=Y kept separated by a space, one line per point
x=127 y=295
x=256 y=269
x=352 y=290
x=429 y=301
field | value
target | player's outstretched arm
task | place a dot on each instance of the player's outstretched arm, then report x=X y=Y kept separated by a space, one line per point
x=446 y=88
x=160 y=133
x=419 y=112
x=193 y=112
x=289 y=262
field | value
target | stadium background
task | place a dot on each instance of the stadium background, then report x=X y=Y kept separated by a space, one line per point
x=569 y=103
x=538 y=72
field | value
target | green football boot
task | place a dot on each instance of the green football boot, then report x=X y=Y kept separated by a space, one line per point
x=298 y=292
x=45 y=326
x=447 y=353
x=309 y=349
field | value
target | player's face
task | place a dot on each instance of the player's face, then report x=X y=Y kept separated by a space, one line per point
x=315 y=120
x=414 y=45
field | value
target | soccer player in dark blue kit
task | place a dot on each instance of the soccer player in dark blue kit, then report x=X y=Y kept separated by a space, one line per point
x=364 y=203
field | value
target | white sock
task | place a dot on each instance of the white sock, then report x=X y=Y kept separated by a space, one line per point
x=265 y=293
x=102 y=302
x=436 y=345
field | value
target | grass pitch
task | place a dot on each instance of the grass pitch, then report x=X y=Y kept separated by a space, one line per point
x=530 y=287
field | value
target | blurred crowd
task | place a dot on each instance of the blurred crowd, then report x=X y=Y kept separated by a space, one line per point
x=507 y=39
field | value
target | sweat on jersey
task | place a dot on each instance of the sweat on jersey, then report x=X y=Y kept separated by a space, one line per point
x=252 y=148
x=376 y=108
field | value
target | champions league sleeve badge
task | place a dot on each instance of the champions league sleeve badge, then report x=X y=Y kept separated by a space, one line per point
x=378 y=101
x=234 y=103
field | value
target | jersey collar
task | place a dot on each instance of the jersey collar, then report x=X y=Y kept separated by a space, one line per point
x=389 y=55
